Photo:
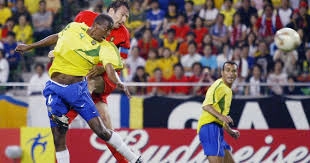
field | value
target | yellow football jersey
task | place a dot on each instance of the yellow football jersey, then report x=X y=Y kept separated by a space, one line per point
x=76 y=52
x=219 y=95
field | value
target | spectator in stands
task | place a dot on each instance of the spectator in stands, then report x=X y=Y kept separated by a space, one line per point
x=225 y=55
x=207 y=40
x=228 y=11
x=197 y=72
x=183 y=48
x=251 y=41
x=155 y=18
x=285 y=12
x=219 y=31
x=170 y=16
x=237 y=31
x=243 y=66
x=133 y=61
x=5 y=12
x=140 y=76
x=245 y=11
x=146 y=43
x=254 y=81
x=170 y=41
x=53 y=6
x=276 y=78
x=4 y=67
x=38 y=80
x=268 y=24
x=13 y=58
x=209 y=13
x=179 y=76
x=289 y=59
x=208 y=59
x=8 y=27
x=23 y=30
x=252 y=28
x=295 y=20
x=200 y=30
x=305 y=19
x=42 y=23
x=189 y=12
x=166 y=63
x=189 y=59
x=205 y=77
x=245 y=54
x=32 y=6
x=181 y=28
x=21 y=9
x=264 y=59
x=304 y=68
x=136 y=19
x=157 y=90
x=152 y=62
x=292 y=89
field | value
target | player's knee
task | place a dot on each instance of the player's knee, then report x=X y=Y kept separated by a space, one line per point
x=104 y=134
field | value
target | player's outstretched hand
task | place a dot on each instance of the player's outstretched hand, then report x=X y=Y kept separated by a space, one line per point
x=95 y=71
x=226 y=119
x=22 y=48
x=124 y=88
x=235 y=134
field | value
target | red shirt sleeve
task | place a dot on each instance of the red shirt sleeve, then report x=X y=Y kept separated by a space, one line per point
x=86 y=17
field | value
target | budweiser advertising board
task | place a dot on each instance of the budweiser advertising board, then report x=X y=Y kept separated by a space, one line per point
x=163 y=145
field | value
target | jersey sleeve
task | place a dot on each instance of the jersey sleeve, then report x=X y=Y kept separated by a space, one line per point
x=214 y=96
x=110 y=54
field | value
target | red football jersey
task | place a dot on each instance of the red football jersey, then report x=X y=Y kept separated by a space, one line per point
x=119 y=36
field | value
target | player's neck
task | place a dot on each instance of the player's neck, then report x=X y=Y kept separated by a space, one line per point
x=91 y=33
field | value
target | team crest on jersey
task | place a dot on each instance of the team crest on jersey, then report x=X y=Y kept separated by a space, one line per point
x=93 y=42
x=112 y=39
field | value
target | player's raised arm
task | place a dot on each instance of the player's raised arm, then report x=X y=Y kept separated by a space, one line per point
x=47 y=41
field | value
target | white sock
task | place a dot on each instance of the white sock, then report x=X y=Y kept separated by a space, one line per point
x=117 y=142
x=63 y=156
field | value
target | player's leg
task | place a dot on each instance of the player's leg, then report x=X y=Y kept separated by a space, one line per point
x=62 y=153
x=105 y=117
x=228 y=157
x=100 y=100
x=87 y=109
x=104 y=114
x=59 y=123
x=210 y=136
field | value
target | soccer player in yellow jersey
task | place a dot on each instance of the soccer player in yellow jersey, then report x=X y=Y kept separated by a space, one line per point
x=214 y=117
x=78 y=49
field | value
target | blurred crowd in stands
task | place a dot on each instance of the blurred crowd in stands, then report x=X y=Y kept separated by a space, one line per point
x=176 y=41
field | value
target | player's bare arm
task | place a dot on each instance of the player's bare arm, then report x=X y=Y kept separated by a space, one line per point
x=113 y=76
x=233 y=133
x=226 y=119
x=47 y=41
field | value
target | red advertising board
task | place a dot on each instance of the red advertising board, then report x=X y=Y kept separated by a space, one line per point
x=163 y=145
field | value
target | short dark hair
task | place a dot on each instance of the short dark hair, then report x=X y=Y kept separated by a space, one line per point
x=39 y=65
x=11 y=34
x=117 y=4
x=190 y=2
x=229 y=62
x=102 y=18
x=178 y=65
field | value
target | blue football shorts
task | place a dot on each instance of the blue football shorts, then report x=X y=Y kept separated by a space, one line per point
x=212 y=140
x=60 y=98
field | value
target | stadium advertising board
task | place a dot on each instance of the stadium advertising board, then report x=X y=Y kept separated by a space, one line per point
x=163 y=145
x=256 y=113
